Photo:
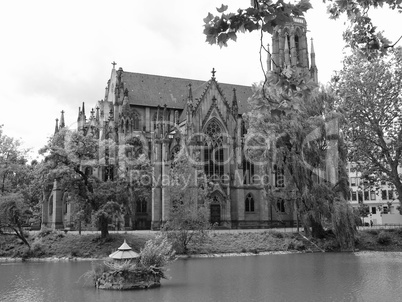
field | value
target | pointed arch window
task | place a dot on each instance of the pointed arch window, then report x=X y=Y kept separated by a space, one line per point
x=141 y=206
x=279 y=177
x=248 y=172
x=280 y=205
x=157 y=118
x=213 y=150
x=136 y=121
x=249 y=203
x=297 y=46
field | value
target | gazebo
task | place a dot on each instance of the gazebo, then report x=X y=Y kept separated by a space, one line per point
x=124 y=252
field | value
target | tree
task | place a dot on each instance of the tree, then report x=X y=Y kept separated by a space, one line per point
x=363 y=34
x=12 y=162
x=293 y=124
x=19 y=195
x=70 y=158
x=370 y=96
x=188 y=220
x=14 y=213
x=67 y=154
x=298 y=133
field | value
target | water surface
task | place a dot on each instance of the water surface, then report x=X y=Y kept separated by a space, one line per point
x=293 y=277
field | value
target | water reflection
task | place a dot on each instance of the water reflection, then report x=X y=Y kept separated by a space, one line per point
x=298 y=277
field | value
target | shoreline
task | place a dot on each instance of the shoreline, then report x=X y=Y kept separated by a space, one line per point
x=185 y=257
x=181 y=256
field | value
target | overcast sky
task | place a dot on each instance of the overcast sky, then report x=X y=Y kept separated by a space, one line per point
x=58 y=54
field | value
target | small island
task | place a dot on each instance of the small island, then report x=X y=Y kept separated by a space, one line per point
x=127 y=269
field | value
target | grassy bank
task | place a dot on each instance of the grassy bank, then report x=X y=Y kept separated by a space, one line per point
x=60 y=245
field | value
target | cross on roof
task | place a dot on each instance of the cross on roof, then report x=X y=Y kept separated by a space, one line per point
x=114 y=64
x=213 y=73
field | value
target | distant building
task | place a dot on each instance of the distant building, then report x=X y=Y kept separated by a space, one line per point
x=158 y=114
x=382 y=200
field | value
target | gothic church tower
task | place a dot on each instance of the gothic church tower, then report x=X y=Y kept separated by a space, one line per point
x=289 y=48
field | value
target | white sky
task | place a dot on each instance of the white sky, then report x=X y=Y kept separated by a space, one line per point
x=57 y=54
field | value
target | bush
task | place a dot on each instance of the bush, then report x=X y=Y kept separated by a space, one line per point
x=38 y=249
x=384 y=238
x=293 y=244
x=157 y=252
x=372 y=232
x=331 y=245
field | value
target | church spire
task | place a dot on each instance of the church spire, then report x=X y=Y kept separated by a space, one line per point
x=313 y=67
x=190 y=95
x=56 y=128
x=189 y=112
x=62 y=124
x=235 y=107
x=97 y=113
x=83 y=112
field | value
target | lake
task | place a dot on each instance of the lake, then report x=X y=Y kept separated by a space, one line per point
x=372 y=276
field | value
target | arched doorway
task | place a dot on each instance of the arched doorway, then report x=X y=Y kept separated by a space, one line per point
x=215 y=208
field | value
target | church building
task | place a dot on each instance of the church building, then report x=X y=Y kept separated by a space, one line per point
x=158 y=115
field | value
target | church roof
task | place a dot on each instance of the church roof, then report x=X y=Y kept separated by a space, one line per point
x=153 y=90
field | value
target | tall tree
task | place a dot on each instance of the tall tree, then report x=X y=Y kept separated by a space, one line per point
x=300 y=124
x=14 y=214
x=371 y=99
x=71 y=156
x=12 y=162
x=188 y=220
x=18 y=194
x=300 y=137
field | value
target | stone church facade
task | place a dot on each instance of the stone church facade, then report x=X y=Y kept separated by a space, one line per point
x=159 y=115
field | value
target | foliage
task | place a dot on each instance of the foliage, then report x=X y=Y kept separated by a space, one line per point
x=12 y=163
x=384 y=238
x=362 y=34
x=65 y=155
x=371 y=101
x=14 y=213
x=188 y=220
x=298 y=132
x=71 y=157
x=264 y=16
x=294 y=244
x=343 y=224
x=157 y=253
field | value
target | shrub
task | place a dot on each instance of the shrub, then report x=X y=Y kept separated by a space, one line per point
x=384 y=238
x=293 y=244
x=38 y=249
x=372 y=232
x=157 y=252
x=331 y=245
